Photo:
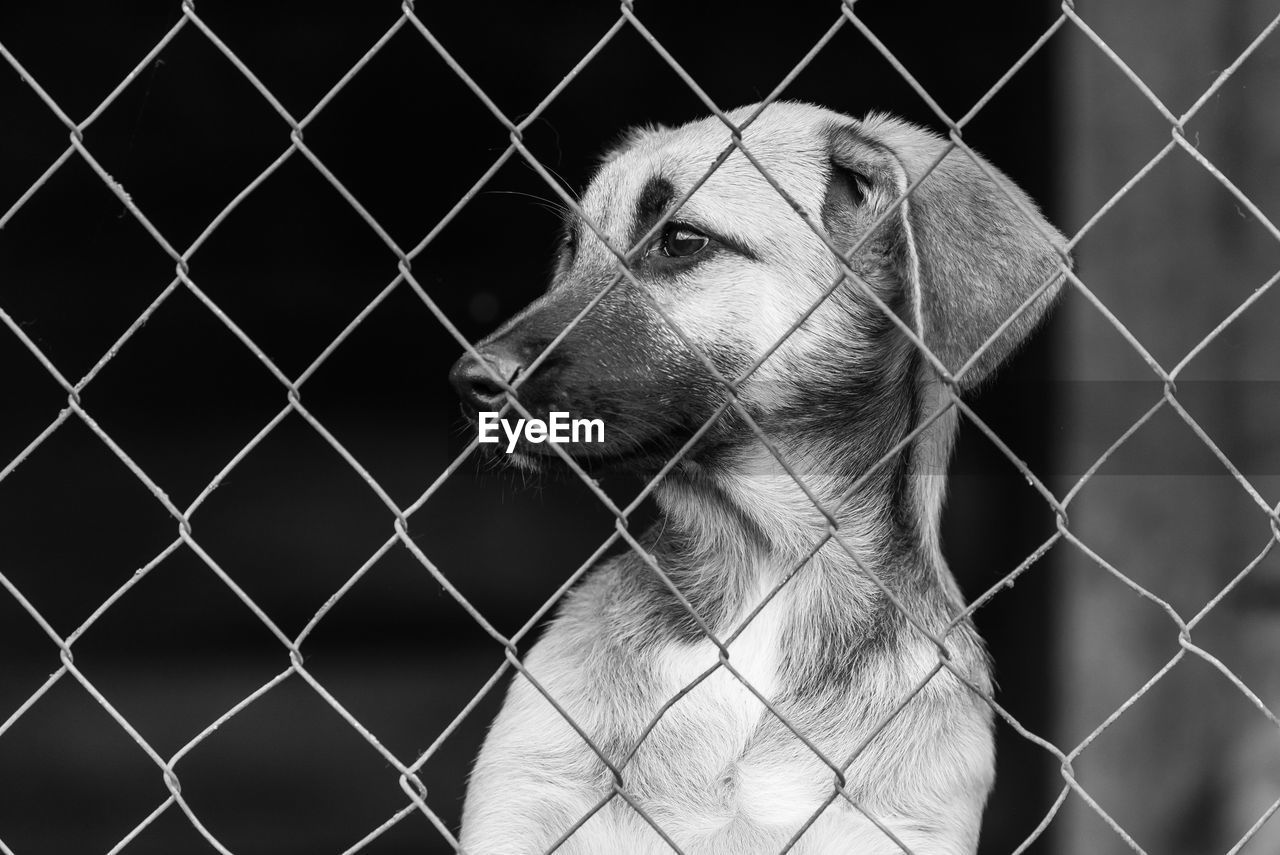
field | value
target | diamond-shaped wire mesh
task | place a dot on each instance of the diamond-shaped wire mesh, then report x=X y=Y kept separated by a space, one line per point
x=410 y=27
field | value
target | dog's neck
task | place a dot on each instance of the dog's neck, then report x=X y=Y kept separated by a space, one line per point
x=743 y=528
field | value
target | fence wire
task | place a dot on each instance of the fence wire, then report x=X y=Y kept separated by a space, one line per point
x=408 y=768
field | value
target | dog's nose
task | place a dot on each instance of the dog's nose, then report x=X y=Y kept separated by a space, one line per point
x=476 y=385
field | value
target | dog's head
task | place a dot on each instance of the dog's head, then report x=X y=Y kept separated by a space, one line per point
x=734 y=276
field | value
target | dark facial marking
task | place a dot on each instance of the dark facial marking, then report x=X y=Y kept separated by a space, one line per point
x=654 y=199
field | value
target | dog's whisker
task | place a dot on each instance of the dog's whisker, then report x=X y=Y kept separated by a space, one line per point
x=547 y=204
x=568 y=188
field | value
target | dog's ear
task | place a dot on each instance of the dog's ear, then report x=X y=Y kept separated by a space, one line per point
x=961 y=243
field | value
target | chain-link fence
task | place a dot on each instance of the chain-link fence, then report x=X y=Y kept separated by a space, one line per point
x=398 y=517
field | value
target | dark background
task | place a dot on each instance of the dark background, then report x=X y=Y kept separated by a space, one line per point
x=292 y=266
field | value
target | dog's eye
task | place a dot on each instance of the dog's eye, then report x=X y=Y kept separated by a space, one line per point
x=681 y=241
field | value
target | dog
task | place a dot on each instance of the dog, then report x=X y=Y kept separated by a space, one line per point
x=839 y=652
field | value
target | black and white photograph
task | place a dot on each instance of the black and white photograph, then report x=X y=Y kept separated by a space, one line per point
x=836 y=427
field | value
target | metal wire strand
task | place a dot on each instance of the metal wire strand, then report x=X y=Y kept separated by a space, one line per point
x=406 y=770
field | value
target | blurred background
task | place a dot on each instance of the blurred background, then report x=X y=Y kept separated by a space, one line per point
x=293 y=264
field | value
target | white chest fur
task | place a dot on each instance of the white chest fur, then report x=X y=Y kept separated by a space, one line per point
x=719 y=772
x=712 y=725
x=719 y=769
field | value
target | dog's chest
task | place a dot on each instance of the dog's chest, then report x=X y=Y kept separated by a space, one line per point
x=718 y=762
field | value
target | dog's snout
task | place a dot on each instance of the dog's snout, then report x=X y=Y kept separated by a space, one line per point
x=477 y=384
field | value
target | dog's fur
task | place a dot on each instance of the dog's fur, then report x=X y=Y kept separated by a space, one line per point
x=835 y=657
